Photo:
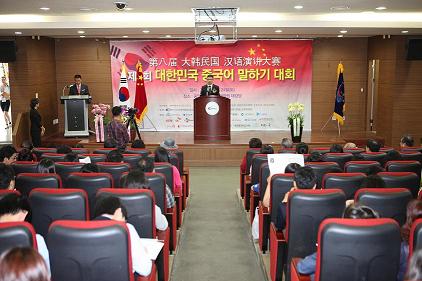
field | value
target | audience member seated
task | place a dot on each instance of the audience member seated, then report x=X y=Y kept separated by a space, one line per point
x=253 y=143
x=349 y=145
x=414 y=272
x=373 y=181
x=393 y=155
x=25 y=155
x=413 y=212
x=290 y=169
x=372 y=146
x=110 y=208
x=302 y=148
x=46 y=166
x=115 y=156
x=78 y=145
x=23 y=264
x=7 y=177
x=286 y=143
x=315 y=156
x=89 y=168
x=146 y=165
x=27 y=144
x=138 y=144
x=406 y=141
x=161 y=155
x=307 y=266
x=110 y=143
x=266 y=149
x=136 y=179
x=71 y=157
x=8 y=154
x=336 y=148
x=304 y=178
x=374 y=170
x=64 y=149
x=14 y=208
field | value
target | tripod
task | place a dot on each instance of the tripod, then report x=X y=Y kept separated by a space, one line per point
x=133 y=122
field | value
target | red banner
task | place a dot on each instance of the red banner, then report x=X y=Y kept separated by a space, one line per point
x=261 y=77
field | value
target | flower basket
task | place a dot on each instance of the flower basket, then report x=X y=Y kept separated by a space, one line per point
x=99 y=110
x=295 y=120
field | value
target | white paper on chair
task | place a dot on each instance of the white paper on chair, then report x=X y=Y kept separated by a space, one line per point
x=278 y=162
x=85 y=160
x=152 y=247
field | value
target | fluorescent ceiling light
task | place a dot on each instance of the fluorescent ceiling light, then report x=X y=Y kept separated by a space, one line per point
x=343 y=31
x=145 y=31
x=81 y=32
x=82 y=36
x=340 y=35
x=278 y=31
x=18 y=32
x=380 y=8
x=254 y=36
x=45 y=8
x=298 y=7
x=125 y=36
x=168 y=36
x=405 y=31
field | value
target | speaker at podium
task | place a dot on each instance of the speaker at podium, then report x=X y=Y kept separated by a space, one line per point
x=211 y=118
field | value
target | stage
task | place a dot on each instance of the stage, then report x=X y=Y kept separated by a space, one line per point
x=222 y=153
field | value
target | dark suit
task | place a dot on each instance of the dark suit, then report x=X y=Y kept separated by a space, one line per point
x=73 y=90
x=206 y=91
x=35 y=119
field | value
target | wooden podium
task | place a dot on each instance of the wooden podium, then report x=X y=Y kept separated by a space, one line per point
x=211 y=118
x=76 y=115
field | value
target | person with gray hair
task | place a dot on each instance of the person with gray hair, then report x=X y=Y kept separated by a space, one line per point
x=286 y=143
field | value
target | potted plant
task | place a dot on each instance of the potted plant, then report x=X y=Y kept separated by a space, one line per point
x=295 y=119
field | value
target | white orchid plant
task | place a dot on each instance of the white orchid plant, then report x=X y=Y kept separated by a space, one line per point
x=296 y=117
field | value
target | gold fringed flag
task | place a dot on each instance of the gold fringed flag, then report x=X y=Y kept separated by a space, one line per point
x=339 y=106
x=140 y=96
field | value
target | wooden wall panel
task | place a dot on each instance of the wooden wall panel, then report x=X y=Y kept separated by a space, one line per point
x=34 y=71
x=91 y=59
x=327 y=53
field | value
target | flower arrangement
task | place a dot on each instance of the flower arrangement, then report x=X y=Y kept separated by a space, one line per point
x=99 y=110
x=295 y=117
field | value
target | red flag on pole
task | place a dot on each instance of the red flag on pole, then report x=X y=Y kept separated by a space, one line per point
x=140 y=96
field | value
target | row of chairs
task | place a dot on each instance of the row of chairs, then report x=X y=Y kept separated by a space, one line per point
x=85 y=250
x=391 y=203
x=314 y=218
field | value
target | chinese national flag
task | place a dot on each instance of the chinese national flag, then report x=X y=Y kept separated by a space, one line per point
x=140 y=96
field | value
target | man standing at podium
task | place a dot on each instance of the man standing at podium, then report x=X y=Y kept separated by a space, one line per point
x=78 y=88
x=210 y=89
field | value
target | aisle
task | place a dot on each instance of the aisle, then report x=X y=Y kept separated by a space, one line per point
x=215 y=242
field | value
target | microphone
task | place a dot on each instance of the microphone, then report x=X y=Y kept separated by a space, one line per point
x=68 y=86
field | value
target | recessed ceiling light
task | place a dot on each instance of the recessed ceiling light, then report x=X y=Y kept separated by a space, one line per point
x=82 y=36
x=18 y=32
x=81 y=32
x=278 y=31
x=380 y=8
x=125 y=36
x=343 y=31
x=45 y=8
x=340 y=8
x=145 y=31
x=403 y=31
x=168 y=36
x=254 y=36
x=298 y=7
x=85 y=9
x=340 y=35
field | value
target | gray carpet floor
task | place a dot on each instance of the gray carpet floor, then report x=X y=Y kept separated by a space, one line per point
x=215 y=243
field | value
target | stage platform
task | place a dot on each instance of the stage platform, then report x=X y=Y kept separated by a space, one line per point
x=222 y=153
